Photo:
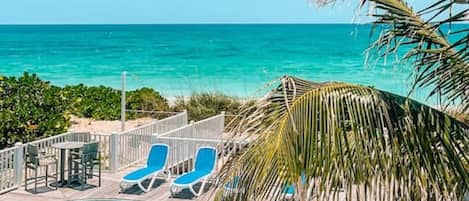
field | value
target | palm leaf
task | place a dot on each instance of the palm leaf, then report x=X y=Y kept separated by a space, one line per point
x=437 y=48
x=348 y=141
x=438 y=62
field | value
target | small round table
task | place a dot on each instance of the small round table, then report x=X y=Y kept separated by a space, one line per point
x=64 y=146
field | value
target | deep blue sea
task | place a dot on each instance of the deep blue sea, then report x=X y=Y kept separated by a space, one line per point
x=181 y=59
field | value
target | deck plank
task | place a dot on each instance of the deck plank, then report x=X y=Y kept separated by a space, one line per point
x=109 y=189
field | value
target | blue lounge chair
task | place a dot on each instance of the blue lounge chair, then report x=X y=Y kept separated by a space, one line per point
x=156 y=164
x=232 y=187
x=204 y=166
x=289 y=189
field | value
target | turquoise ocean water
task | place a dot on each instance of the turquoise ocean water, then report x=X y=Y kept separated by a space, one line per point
x=181 y=59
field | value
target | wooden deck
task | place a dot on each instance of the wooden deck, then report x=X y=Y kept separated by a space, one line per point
x=109 y=189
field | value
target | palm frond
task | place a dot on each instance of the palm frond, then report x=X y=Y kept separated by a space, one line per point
x=439 y=63
x=347 y=141
x=436 y=46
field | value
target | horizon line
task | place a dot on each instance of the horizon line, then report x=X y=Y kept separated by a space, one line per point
x=209 y=23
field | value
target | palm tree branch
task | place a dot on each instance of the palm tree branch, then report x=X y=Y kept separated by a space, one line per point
x=342 y=136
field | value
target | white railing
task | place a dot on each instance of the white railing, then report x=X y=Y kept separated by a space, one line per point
x=135 y=143
x=210 y=128
x=104 y=149
x=185 y=141
x=183 y=150
x=172 y=122
x=8 y=172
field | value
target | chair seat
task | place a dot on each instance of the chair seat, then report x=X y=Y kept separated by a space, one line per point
x=42 y=162
x=47 y=161
x=141 y=173
x=191 y=177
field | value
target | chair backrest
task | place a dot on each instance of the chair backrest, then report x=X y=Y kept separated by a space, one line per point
x=158 y=155
x=79 y=137
x=90 y=151
x=206 y=159
x=32 y=152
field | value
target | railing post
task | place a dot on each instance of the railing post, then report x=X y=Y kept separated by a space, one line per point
x=193 y=133
x=185 y=117
x=123 y=108
x=154 y=138
x=223 y=122
x=114 y=151
x=18 y=163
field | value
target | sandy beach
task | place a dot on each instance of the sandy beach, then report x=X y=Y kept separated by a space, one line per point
x=104 y=127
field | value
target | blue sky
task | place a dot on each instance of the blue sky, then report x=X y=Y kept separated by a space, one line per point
x=172 y=11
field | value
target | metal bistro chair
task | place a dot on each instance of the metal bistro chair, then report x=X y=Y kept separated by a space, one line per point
x=76 y=137
x=35 y=160
x=85 y=161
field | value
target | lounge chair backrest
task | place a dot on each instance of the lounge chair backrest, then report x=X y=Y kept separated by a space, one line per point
x=158 y=155
x=206 y=158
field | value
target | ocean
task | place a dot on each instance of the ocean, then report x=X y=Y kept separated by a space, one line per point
x=178 y=60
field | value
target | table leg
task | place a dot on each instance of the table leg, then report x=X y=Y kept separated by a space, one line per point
x=62 y=182
x=62 y=166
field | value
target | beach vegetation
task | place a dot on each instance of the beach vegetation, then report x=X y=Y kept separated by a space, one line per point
x=104 y=103
x=206 y=104
x=145 y=99
x=97 y=102
x=30 y=108
x=337 y=139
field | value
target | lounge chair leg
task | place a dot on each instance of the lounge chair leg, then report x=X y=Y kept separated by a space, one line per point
x=141 y=186
x=151 y=183
x=121 y=186
x=168 y=175
x=171 y=190
x=191 y=188
x=201 y=190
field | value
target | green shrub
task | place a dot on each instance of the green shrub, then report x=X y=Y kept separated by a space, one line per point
x=104 y=103
x=101 y=103
x=202 y=105
x=146 y=99
x=30 y=109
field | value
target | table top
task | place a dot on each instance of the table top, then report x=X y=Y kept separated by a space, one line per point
x=68 y=145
